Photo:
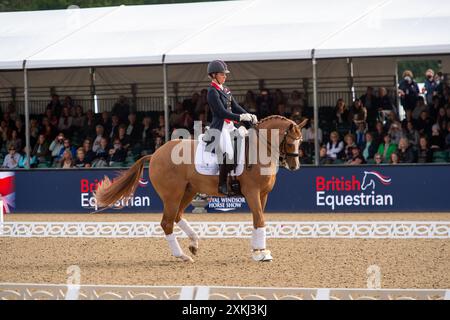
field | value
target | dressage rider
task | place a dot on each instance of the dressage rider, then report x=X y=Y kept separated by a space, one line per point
x=225 y=113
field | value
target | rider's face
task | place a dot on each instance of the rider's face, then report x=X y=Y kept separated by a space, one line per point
x=221 y=77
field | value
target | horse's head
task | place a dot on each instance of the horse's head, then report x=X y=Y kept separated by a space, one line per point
x=290 y=144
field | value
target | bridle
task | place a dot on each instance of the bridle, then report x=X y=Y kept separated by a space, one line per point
x=283 y=152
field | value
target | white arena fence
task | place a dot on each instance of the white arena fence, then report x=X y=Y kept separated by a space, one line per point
x=19 y=291
x=277 y=229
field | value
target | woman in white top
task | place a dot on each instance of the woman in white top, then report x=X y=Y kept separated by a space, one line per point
x=334 y=146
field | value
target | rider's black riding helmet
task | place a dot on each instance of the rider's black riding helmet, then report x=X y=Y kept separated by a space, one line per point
x=217 y=66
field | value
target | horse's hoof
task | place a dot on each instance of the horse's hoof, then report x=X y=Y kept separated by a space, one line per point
x=193 y=250
x=186 y=258
x=262 y=255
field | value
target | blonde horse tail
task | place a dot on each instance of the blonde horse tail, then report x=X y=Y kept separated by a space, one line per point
x=123 y=186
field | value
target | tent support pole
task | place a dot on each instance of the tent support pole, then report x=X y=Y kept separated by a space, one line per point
x=166 y=101
x=93 y=93
x=351 y=78
x=397 y=97
x=316 y=110
x=27 y=115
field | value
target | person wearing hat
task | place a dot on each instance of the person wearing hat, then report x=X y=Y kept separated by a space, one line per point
x=225 y=113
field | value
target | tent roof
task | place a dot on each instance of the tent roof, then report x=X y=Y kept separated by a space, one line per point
x=250 y=30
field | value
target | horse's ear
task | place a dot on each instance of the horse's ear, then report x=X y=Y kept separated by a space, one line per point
x=303 y=123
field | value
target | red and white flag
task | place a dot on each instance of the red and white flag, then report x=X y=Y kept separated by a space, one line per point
x=7 y=190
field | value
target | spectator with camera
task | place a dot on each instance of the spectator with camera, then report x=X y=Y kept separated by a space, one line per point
x=11 y=160
x=116 y=154
x=56 y=146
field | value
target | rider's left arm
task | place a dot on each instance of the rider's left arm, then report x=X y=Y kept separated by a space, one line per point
x=236 y=108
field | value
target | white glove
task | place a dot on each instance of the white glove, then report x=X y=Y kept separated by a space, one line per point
x=254 y=119
x=245 y=117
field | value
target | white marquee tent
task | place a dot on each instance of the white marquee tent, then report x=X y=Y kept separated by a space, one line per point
x=256 y=35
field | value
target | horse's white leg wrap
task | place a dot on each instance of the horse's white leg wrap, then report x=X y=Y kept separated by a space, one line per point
x=259 y=245
x=186 y=227
x=174 y=245
x=259 y=238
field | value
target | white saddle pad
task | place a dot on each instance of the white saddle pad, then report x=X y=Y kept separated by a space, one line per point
x=206 y=162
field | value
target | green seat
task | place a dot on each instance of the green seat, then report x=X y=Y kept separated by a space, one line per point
x=117 y=164
x=338 y=161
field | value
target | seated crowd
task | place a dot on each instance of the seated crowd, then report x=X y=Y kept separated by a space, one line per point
x=369 y=131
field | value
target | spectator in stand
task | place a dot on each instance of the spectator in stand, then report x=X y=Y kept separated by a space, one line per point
x=394 y=159
x=424 y=153
x=34 y=131
x=20 y=130
x=349 y=143
x=88 y=153
x=419 y=108
x=369 y=148
x=65 y=122
x=101 y=154
x=115 y=123
x=55 y=105
x=279 y=98
x=4 y=132
x=359 y=113
x=23 y=160
x=68 y=102
x=334 y=146
x=429 y=87
x=378 y=158
x=202 y=104
x=180 y=118
x=308 y=135
x=441 y=119
x=11 y=160
x=9 y=122
x=436 y=139
x=68 y=146
x=160 y=130
x=190 y=105
x=342 y=117
x=385 y=104
x=281 y=110
x=395 y=131
x=408 y=90
x=303 y=156
x=360 y=134
x=134 y=129
x=122 y=108
x=79 y=118
x=250 y=102
x=48 y=130
x=356 y=158
x=146 y=143
x=41 y=150
x=264 y=104
x=81 y=161
x=116 y=154
x=123 y=137
x=66 y=161
x=412 y=135
x=158 y=142
x=56 y=146
x=323 y=157
x=386 y=148
x=105 y=121
x=424 y=124
x=296 y=102
x=405 y=151
x=447 y=137
x=11 y=109
x=370 y=102
x=203 y=119
x=100 y=133
x=89 y=129
x=14 y=140
x=434 y=107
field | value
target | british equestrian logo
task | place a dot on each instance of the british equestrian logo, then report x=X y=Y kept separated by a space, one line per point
x=340 y=192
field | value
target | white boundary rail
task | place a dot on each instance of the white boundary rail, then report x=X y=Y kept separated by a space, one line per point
x=276 y=229
x=24 y=291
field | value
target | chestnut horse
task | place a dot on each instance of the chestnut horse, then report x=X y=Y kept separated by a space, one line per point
x=177 y=184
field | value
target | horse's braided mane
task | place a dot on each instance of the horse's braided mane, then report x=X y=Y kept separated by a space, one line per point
x=275 y=116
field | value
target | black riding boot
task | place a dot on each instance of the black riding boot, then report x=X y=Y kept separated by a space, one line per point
x=224 y=169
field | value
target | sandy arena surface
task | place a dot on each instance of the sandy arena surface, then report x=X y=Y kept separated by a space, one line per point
x=408 y=263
